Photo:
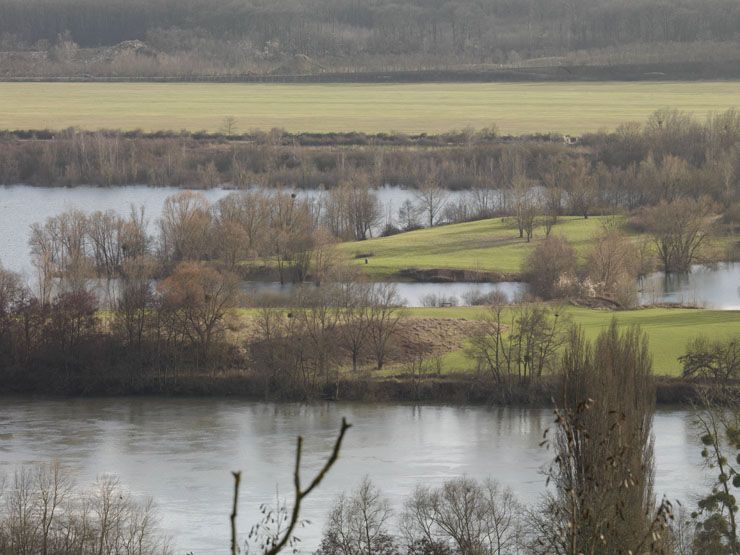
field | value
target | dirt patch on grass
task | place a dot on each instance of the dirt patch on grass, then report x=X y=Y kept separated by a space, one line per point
x=415 y=338
x=428 y=337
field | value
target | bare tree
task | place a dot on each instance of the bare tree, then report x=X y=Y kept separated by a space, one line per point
x=613 y=264
x=60 y=253
x=197 y=297
x=553 y=207
x=431 y=198
x=581 y=188
x=384 y=318
x=185 y=227
x=364 y=208
x=358 y=524
x=679 y=229
x=525 y=206
x=354 y=319
x=229 y=126
x=551 y=268
x=463 y=516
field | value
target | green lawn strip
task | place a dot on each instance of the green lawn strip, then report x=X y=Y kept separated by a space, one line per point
x=668 y=329
x=486 y=245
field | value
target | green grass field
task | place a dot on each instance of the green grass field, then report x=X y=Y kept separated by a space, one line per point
x=513 y=107
x=668 y=329
x=488 y=245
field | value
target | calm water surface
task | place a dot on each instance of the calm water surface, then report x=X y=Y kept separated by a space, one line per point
x=710 y=286
x=23 y=205
x=181 y=452
x=415 y=294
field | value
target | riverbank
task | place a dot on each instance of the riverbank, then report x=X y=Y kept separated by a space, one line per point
x=683 y=71
x=459 y=389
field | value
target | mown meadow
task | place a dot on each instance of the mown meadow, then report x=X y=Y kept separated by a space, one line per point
x=491 y=245
x=514 y=108
x=668 y=329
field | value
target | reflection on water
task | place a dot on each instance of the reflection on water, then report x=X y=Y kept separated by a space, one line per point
x=23 y=205
x=710 y=286
x=414 y=294
x=181 y=452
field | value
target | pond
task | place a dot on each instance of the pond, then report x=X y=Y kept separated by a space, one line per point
x=181 y=452
x=715 y=286
x=413 y=294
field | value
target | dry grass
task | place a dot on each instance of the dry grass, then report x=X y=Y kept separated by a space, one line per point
x=428 y=107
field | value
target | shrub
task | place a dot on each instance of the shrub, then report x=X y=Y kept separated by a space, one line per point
x=551 y=268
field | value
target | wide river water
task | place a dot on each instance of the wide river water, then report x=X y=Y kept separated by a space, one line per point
x=181 y=451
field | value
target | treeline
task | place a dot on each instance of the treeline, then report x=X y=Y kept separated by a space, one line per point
x=670 y=155
x=205 y=38
x=170 y=300
x=42 y=511
x=188 y=330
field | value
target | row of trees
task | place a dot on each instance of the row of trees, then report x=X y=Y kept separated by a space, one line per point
x=43 y=512
x=72 y=248
x=669 y=156
x=182 y=325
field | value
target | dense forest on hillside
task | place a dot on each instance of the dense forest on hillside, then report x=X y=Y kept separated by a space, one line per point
x=108 y=38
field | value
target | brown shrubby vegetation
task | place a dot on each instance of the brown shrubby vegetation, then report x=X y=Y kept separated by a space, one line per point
x=551 y=268
x=670 y=157
x=518 y=345
x=43 y=512
x=612 y=267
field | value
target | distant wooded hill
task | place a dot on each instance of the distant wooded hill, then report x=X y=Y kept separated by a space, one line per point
x=160 y=38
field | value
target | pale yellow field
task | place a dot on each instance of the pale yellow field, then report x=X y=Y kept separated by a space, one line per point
x=513 y=107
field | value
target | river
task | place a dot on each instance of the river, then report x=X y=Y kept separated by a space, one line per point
x=181 y=451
